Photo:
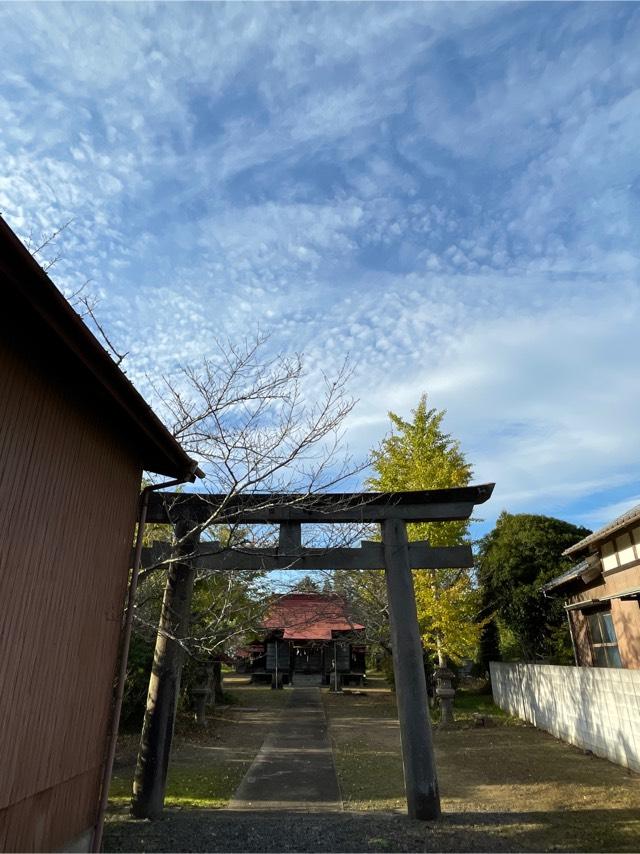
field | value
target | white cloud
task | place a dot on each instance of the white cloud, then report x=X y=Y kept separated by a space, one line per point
x=438 y=189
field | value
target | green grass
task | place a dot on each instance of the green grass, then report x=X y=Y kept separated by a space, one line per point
x=371 y=778
x=468 y=703
x=187 y=786
x=209 y=762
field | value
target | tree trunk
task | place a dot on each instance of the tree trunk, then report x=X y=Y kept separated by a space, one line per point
x=164 y=684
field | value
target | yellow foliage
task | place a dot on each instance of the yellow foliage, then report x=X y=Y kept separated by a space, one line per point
x=420 y=455
x=447 y=605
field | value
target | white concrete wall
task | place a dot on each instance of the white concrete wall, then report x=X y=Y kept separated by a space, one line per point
x=595 y=708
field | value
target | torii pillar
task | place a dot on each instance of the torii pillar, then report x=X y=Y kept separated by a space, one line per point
x=420 y=778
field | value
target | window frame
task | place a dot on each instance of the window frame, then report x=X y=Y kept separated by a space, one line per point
x=606 y=648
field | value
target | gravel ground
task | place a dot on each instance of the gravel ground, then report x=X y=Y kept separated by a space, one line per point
x=223 y=830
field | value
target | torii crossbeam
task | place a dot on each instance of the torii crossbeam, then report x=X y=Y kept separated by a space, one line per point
x=395 y=555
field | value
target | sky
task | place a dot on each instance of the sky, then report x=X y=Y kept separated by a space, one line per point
x=448 y=193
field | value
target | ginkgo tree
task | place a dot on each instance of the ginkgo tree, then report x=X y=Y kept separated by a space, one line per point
x=419 y=454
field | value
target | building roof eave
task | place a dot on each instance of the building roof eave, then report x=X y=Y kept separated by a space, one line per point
x=27 y=286
x=589 y=543
x=587 y=569
x=633 y=594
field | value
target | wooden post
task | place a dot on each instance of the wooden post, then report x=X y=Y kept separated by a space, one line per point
x=290 y=538
x=420 y=778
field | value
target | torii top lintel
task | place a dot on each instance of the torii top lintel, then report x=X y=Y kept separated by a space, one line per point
x=430 y=505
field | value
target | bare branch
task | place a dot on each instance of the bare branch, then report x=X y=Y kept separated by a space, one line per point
x=45 y=241
x=89 y=312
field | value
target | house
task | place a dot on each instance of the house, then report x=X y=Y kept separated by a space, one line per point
x=75 y=437
x=602 y=594
x=305 y=634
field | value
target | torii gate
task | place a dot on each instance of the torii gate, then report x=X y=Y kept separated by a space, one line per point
x=189 y=512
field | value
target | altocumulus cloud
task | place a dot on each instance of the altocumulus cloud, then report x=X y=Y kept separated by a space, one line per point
x=448 y=192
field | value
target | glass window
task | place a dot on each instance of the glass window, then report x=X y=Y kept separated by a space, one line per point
x=600 y=656
x=608 y=632
x=604 y=643
x=614 y=656
x=595 y=628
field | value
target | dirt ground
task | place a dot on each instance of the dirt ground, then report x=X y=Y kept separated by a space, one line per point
x=504 y=787
x=523 y=786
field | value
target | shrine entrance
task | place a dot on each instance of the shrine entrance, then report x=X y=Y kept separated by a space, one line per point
x=307 y=658
x=191 y=513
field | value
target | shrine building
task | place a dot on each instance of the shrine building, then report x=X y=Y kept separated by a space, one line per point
x=305 y=635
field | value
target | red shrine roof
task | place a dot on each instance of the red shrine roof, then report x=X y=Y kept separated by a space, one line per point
x=310 y=616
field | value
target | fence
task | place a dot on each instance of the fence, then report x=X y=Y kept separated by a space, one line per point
x=597 y=709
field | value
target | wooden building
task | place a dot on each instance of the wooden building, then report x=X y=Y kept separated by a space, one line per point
x=306 y=635
x=602 y=594
x=75 y=437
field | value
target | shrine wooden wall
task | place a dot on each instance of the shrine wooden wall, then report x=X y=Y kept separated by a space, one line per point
x=68 y=498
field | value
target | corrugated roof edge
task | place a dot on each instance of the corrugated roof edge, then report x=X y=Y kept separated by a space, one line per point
x=619 y=522
x=53 y=308
x=569 y=575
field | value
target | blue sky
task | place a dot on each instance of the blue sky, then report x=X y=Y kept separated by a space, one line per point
x=448 y=192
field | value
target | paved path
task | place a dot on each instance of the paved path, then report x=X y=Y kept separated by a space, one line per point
x=294 y=769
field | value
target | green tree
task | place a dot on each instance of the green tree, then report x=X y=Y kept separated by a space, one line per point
x=514 y=560
x=418 y=454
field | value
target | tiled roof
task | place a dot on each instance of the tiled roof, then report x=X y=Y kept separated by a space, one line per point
x=569 y=575
x=627 y=518
x=310 y=616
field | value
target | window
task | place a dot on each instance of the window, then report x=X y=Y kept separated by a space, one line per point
x=604 y=643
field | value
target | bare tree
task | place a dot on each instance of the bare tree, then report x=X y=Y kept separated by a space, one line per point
x=46 y=251
x=246 y=416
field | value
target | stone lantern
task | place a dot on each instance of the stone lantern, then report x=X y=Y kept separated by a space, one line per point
x=200 y=695
x=445 y=692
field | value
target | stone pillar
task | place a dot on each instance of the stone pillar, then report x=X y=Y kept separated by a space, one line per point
x=421 y=783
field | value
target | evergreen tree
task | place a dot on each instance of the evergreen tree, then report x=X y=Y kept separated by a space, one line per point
x=515 y=559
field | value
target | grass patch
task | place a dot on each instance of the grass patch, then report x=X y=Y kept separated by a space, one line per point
x=369 y=768
x=207 y=763
x=349 y=704
x=370 y=778
x=187 y=785
x=467 y=703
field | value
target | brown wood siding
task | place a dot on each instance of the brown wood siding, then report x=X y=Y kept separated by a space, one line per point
x=625 y=616
x=43 y=821
x=68 y=496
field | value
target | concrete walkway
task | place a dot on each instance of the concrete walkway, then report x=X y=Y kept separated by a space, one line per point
x=294 y=769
